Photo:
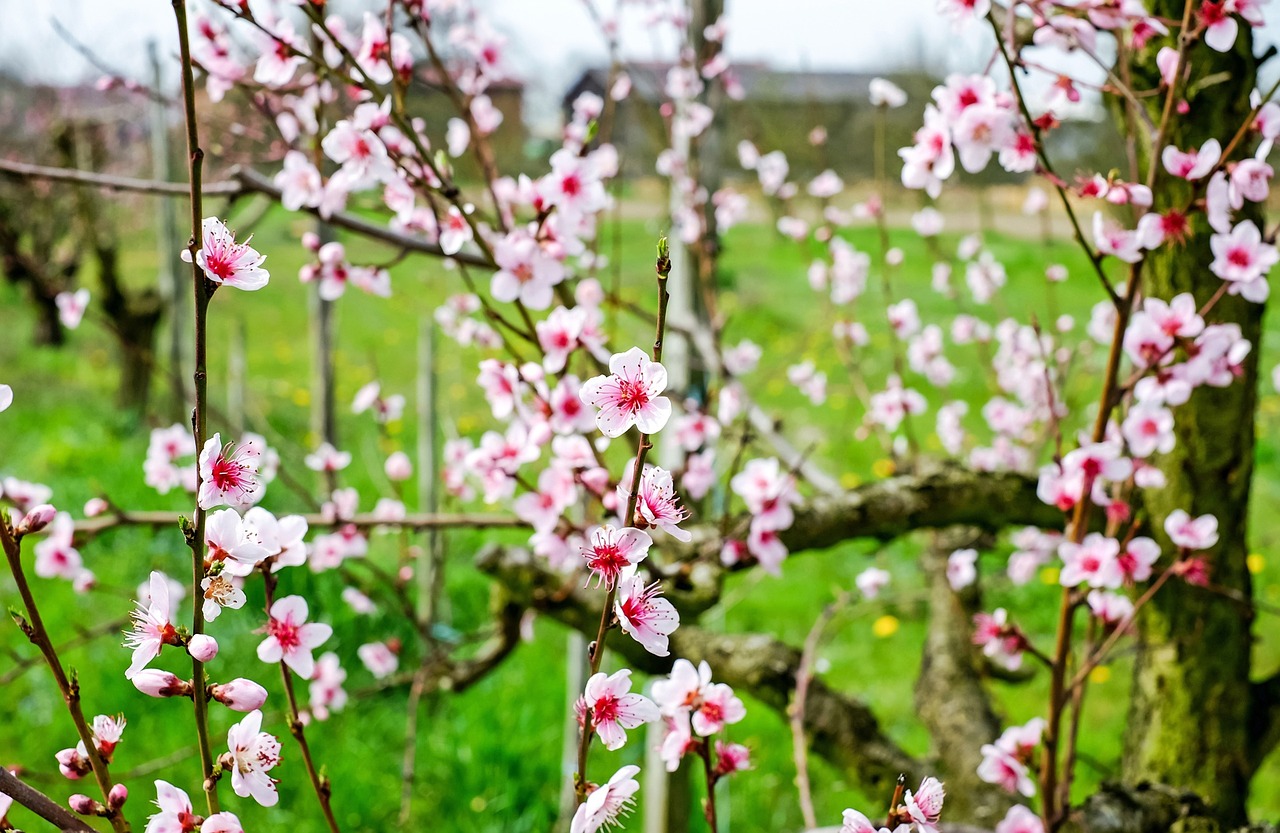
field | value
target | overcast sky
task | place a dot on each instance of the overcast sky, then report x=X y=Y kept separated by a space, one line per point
x=546 y=35
x=550 y=40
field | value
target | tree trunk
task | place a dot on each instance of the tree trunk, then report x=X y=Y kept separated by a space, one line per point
x=1190 y=697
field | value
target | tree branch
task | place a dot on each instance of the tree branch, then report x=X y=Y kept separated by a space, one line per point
x=843 y=730
x=40 y=804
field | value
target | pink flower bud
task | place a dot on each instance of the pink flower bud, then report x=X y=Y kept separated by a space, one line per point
x=240 y=695
x=203 y=647
x=117 y=797
x=398 y=467
x=37 y=519
x=311 y=240
x=84 y=805
x=94 y=507
x=72 y=764
x=156 y=683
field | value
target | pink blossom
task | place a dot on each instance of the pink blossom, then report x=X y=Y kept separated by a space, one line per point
x=925 y=804
x=1111 y=608
x=526 y=273
x=612 y=550
x=717 y=707
x=379 y=658
x=1111 y=239
x=1137 y=558
x=1220 y=27
x=614 y=709
x=224 y=261
x=155 y=683
x=1005 y=771
x=657 y=504
x=71 y=307
x=1192 y=164
x=1020 y=819
x=6 y=397
x=254 y=753
x=768 y=491
x=871 y=581
x=558 y=336
x=607 y=803
x=152 y=627
x=1093 y=561
x=326 y=691
x=222 y=823
x=299 y=182
x=176 y=814
x=731 y=758
x=326 y=458
x=1148 y=429
x=999 y=640
x=239 y=695
x=228 y=476
x=1243 y=258
x=455 y=232
x=630 y=395
x=202 y=647
x=962 y=568
x=290 y=638
x=55 y=555
x=1191 y=533
x=699 y=474
x=232 y=542
x=643 y=614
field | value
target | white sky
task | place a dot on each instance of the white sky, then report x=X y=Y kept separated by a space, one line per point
x=546 y=35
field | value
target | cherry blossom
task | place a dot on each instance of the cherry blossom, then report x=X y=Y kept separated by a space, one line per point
x=326 y=691
x=222 y=823
x=657 y=504
x=379 y=658
x=925 y=804
x=629 y=395
x=224 y=261
x=1003 y=769
x=643 y=614
x=56 y=557
x=607 y=803
x=253 y=754
x=176 y=814
x=999 y=640
x=611 y=550
x=71 y=307
x=152 y=626
x=228 y=475
x=614 y=709
x=1192 y=164
x=962 y=568
x=1242 y=258
x=1020 y=819
x=1094 y=561
x=1191 y=533
x=290 y=638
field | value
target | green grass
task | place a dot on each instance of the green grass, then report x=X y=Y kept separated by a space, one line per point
x=489 y=759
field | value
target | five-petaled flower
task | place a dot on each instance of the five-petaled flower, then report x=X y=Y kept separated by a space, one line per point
x=290 y=638
x=612 y=550
x=614 y=709
x=228 y=475
x=152 y=626
x=253 y=754
x=629 y=395
x=224 y=261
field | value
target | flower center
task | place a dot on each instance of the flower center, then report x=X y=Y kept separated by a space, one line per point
x=285 y=632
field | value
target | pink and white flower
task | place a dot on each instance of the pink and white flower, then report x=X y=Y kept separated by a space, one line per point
x=71 y=307
x=607 y=803
x=614 y=709
x=224 y=261
x=629 y=395
x=611 y=550
x=176 y=815
x=152 y=626
x=254 y=753
x=643 y=614
x=290 y=638
x=228 y=475
x=1191 y=533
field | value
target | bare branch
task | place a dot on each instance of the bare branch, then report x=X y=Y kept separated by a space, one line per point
x=412 y=521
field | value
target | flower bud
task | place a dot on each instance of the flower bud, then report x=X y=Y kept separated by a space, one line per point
x=85 y=806
x=72 y=764
x=117 y=797
x=203 y=647
x=398 y=467
x=156 y=683
x=94 y=507
x=240 y=695
x=37 y=519
x=311 y=240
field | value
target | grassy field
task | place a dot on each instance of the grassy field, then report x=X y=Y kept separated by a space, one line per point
x=490 y=759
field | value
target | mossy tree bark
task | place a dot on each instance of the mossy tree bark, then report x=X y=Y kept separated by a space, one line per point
x=1190 y=697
